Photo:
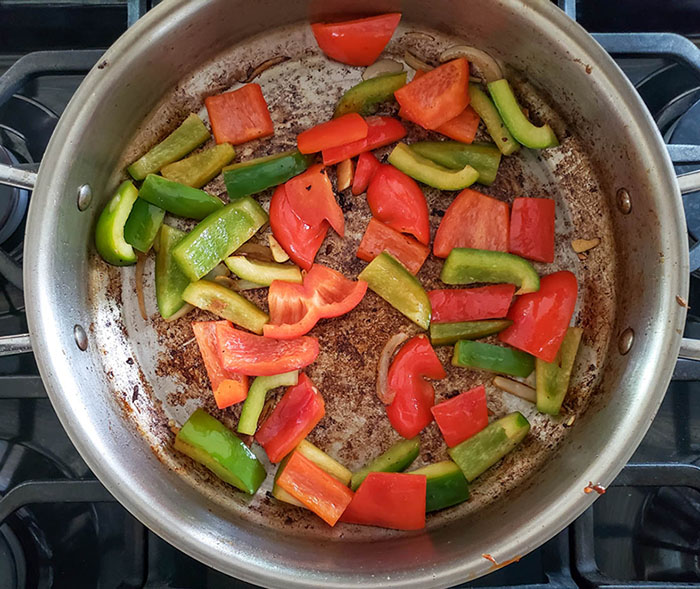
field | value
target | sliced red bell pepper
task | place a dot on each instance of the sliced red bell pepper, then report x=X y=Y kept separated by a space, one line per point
x=410 y=411
x=389 y=500
x=229 y=387
x=462 y=416
x=540 y=319
x=437 y=96
x=367 y=165
x=333 y=133
x=532 y=229
x=239 y=116
x=381 y=131
x=297 y=413
x=463 y=127
x=380 y=238
x=296 y=308
x=356 y=42
x=310 y=194
x=314 y=488
x=473 y=220
x=396 y=200
x=470 y=304
x=255 y=355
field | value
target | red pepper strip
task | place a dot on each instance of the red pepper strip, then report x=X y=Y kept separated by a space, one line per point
x=255 y=355
x=310 y=195
x=437 y=96
x=367 y=165
x=396 y=200
x=532 y=229
x=333 y=133
x=296 y=308
x=239 y=116
x=380 y=238
x=229 y=388
x=382 y=131
x=462 y=416
x=473 y=220
x=470 y=304
x=463 y=127
x=314 y=488
x=356 y=42
x=297 y=413
x=300 y=240
x=389 y=500
x=540 y=319
x=410 y=411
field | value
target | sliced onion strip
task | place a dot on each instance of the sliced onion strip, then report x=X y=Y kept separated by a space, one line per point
x=386 y=395
x=345 y=171
x=382 y=68
x=255 y=251
x=516 y=388
x=415 y=62
x=265 y=65
x=140 y=263
x=181 y=312
x=483 y=63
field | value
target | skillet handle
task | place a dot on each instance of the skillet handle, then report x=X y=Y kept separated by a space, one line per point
x=689 y=182
x=17 y=177
x=15 y=344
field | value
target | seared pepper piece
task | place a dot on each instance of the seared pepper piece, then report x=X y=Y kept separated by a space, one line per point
x=397 y=458
x=178 y=199
x=109 y=232
x=553 y=377
x=262 y=273
x=427 y=171
x=446 y=485
x=143 y=225
x=518 y=124
x=201 y=167
x=211 y=443
x=365 y=97
x=397 y=286
x=467 y=266
x=443 y=334
x=255 y=401
x=170 y=280
x=259 y=174
x=190 y=134
x=471 y=354
x=488 y=112
x=483 y=157
x=218 y=236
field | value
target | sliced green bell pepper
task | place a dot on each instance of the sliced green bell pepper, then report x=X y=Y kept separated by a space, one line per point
x=254 y=402
x=428 y=172
x=178 y=199
x=553 y=377
x=365 y=96
x=467 y=266
x=201 y=167
x=446 y=485
x=262 y=173
x=518 y=124
x=218 y=236
x=143 y=224
x=170 y=280
x=443 y=334
x=493 y=358
x=488 y=113
x=387 y=277
x=483 y=157
x=109 y=232
x=262 y=272
x=211 y=443
x=227 y=304
x=483 y=450
x=397 y=458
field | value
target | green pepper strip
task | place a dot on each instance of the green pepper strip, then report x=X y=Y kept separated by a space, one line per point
x=170 y=281
x=211 y=443
x=256 y=175
x=397 y=458
x=488 y=113
x=143 y=225
x=218 y=236
x=467 y=266
x=201 y=167
x=427 y=171
x=190 y=134
x=483 y=157
x=109 y=232
x=263 y=273
x=446 y=485
x=443 y=334
x=254 y=402
x=366 y=96
x=178 y=199
x=497 y=359
x=553 y=377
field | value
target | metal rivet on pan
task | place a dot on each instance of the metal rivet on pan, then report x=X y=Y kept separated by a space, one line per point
x=84 y=196
x=80 y=337
x=624 y=344
x=624 y=202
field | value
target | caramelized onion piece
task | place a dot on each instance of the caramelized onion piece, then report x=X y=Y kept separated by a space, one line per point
x=516 y=388
x=255 y=251
x=415 y=62
x=483 y=63
x=265 y=65
x=181 y=312
x=386 y=395
x=345 y=171
x=140 y=263
x=382 y=68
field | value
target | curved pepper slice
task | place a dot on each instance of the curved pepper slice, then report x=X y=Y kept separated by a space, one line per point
x=109 y=232
x=333 y=133
x=430 y=173
x=365 y=96
x=488 y=112
x=311 y=197
x=410 y=411
x=367 y=166
x=255 y=401
x=381 y=131
x=483 y=157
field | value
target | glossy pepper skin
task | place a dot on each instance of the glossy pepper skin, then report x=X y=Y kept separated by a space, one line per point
x=178 y=199
x=367 y=166
x=109 y=232
x=380 y=238
x=170 y=280
x=553 y=377
x=532 y=229
x=240 y=115
x=483 y=157
x=365 y=96
x=334 y=133
x=196 y=170
x=410 y=411
x=460 y=417
x=143 y=225
x=493 y=358
x=488 y=112
x=259 y=174
x=428 y=172
x=470 y=304
x=381 y=131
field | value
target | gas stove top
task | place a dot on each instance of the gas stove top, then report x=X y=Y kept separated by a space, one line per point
x=60 y=528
